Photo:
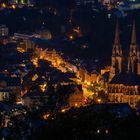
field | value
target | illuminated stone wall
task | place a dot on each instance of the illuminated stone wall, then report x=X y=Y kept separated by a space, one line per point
x=119 y=93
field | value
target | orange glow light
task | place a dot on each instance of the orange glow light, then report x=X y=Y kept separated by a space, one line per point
x=13 y=6
x=70 y=37
x=3 y=5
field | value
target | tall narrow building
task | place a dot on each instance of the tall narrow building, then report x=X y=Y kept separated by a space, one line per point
x=117 y=57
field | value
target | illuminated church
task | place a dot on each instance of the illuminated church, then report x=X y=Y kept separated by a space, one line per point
x=124 y=80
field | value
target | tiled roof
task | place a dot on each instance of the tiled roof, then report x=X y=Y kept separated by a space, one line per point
x=126 y=79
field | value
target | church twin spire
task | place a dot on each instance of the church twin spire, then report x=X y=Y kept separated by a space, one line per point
x=134 y=50
x=134 y=38
x=117 y=37
x=117 y=56
x=134 y=57
x=117 y=50
x=116 y=59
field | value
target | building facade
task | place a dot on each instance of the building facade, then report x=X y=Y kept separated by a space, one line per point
x=88 y=3
x=4 y=30
x=22 y=1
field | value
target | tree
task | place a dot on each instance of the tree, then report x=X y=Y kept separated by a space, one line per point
x=99 y=95
x=95 y=87
x=138 y=106
x=102 y=96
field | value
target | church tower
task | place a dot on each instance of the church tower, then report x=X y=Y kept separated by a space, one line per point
x=134 y=58
x=116 y=59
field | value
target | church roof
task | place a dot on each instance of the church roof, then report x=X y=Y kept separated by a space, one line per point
x=126 y=79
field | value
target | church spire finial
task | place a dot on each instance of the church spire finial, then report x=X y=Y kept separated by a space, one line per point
x=133 y=38
x=117 y=36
